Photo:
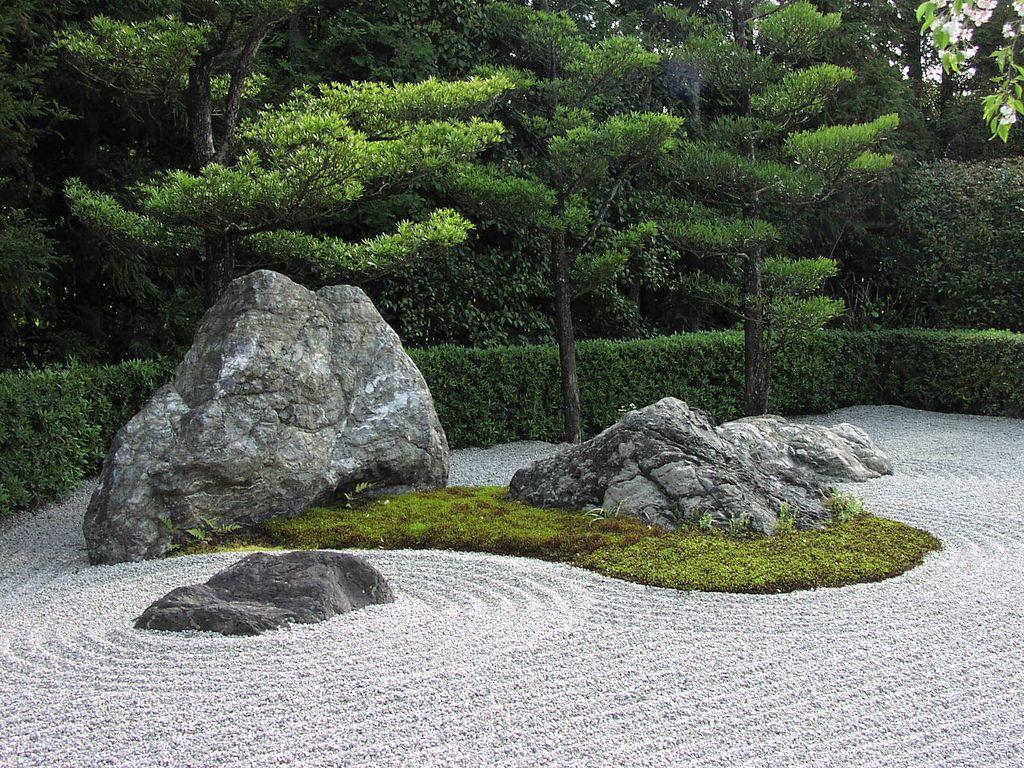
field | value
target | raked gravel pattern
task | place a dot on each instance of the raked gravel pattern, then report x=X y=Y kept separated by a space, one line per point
x=487 y=660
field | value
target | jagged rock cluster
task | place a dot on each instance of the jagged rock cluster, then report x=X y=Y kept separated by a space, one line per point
x=668 y=463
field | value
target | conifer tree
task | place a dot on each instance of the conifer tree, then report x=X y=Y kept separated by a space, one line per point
x=760 y=155
x=574 y=140
x=259 y=187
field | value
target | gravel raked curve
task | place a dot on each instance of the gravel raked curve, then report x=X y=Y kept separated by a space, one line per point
x=488 y=660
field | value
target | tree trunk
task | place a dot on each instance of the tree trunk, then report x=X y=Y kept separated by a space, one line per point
x=296 y=40
x=755 y=369
x=566 y=336
x=236 y=86
x=220 y=265
x=199 y=111
x=756 y=400
x=913 y=54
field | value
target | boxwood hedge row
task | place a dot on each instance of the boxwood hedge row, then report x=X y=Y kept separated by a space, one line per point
x=56 y=424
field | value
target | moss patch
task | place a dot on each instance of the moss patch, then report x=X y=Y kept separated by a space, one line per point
x=861 y=548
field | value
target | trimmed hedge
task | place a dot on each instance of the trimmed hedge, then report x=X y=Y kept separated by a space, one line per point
x=56 y=424
x=487 y=396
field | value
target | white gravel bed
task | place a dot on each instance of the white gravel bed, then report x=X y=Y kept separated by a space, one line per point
x=497 y=464
x=487 y=660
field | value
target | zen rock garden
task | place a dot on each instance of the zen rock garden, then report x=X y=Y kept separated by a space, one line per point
x=506 y=383
x=290 y=398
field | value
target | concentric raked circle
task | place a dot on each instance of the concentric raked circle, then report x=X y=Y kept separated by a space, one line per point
x=487 y=660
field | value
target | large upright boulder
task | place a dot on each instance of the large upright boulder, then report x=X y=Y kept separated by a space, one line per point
x=668 y=463
x=286 y=398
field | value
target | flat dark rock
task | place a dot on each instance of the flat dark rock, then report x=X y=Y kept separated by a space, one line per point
x=264 y=591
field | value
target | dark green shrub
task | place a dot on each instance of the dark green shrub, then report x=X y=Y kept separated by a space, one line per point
x=956 y=261
x=57 y=423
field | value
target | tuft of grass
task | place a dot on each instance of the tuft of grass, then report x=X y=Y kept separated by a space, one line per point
x=860 y=548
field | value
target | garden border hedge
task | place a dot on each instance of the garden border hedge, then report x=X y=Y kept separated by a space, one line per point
x=978 y=372
x=56 y=423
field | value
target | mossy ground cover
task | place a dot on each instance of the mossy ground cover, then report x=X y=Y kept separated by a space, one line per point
x=858 y=548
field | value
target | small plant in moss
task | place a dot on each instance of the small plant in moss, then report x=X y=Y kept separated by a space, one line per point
x=857 y=548
x=706 y=522
x=786 y=520
x=739 y=524
x=844 y=507
x=206 y=534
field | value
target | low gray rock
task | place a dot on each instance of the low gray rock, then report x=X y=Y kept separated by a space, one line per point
x=264 y=591
x=668 y=463
x=840 y=453
x=287 y=398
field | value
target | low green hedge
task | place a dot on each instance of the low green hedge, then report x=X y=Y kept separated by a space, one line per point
x=487 y=396
x=56 y=424
x=955 y=371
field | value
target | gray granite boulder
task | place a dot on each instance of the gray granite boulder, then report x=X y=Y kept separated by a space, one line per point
x=668 y=463
x=840 y=453
x=287 y=398
x=264 y=591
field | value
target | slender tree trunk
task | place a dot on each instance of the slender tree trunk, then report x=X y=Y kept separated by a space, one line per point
x=566 y=335
x=236 y=86
x=755 y=368
x=947 y=89
x=561 y=271
x=756 y=394
x=296 y=39
x=913 y=54
x=220 y=265
x=199 y=112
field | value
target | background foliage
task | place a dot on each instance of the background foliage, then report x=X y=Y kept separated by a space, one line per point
x=65 y=294
x=956 y=261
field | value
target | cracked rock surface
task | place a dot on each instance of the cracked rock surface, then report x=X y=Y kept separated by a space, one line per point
x=286 y=398
x=668 y=463
x=264 y=591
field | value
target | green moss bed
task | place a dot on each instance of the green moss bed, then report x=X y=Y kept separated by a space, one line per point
x=859 y=548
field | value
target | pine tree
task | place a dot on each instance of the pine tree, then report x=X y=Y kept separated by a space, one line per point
x=256 y=187
x=574 y=141
x=300 y=163
x=760 y=155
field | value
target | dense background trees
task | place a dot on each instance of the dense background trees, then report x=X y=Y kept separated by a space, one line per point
x=112 y=94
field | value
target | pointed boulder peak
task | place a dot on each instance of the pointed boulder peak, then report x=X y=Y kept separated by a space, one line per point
x=286 y=398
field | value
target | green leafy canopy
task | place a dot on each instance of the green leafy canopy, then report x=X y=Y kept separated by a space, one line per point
x=304 y=161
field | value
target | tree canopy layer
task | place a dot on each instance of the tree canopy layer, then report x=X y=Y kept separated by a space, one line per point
x=444 y=153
